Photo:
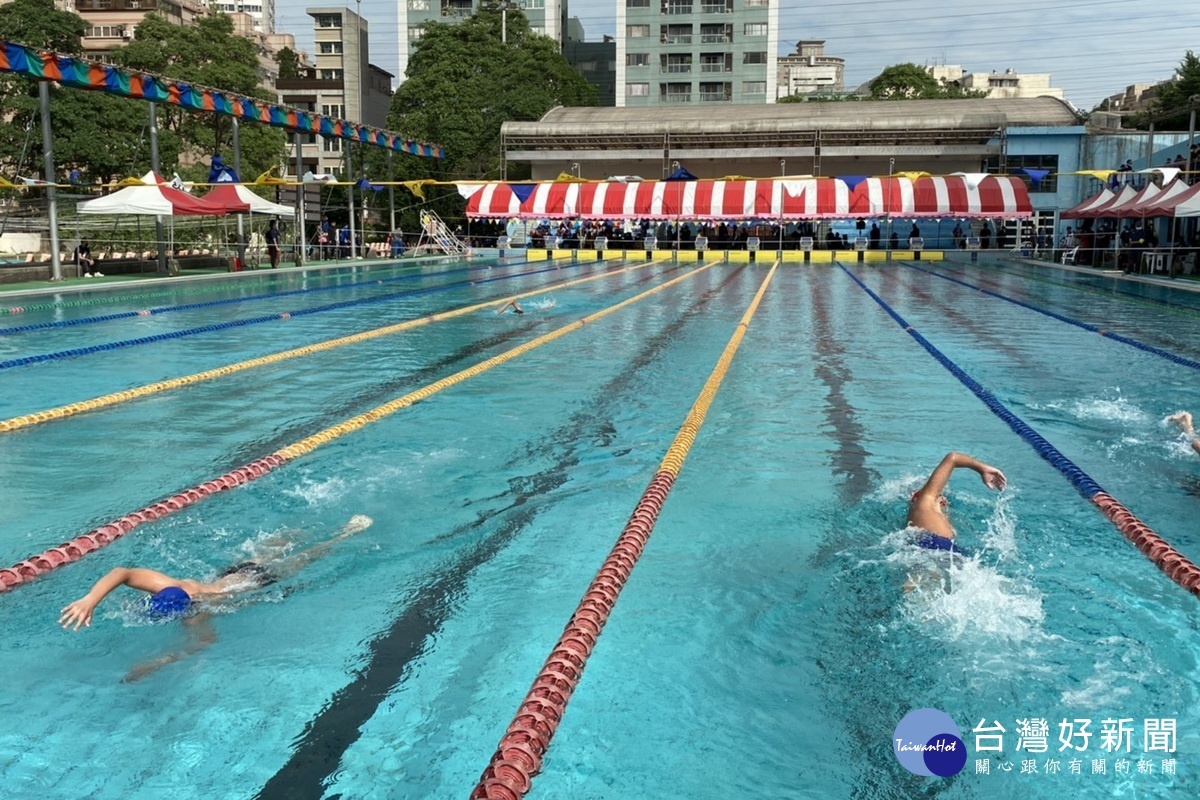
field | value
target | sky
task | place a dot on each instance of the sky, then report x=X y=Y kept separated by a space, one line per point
x=1091 y=49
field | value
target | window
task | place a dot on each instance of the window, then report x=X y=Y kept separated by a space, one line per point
x=637 y=59
x=1048 y=184
x=716 y=92
x=677 y=63
x=716 y=34
x=756 y=3
x=675 y=92
x=331 y=75
x=676 y=6
x=755 y=29
x=537 y=30
x=415 y=32
x=637 y=3
x=329 y=20
x=759 y=57
x=754 y=87
x=675 y=34
x=418 y=5
x=716 y=62
x=637 y=31
x=328 y=48
x=331 y=144
x=334 y=111
x=637 y=90
x=533 y=4
x=717 y=7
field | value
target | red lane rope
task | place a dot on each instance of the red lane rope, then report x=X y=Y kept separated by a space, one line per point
x=1174 y=564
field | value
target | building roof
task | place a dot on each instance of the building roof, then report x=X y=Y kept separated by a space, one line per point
x=733 y=128
x=862 y=115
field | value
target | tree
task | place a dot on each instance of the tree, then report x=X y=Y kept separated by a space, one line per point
x=206 y=54
x=288 y=62
x=99 y=134
x=463 y=83
x=911 y=82
x=1175 y=99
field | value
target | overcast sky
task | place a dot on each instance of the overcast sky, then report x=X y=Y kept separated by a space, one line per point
x=1091 y=49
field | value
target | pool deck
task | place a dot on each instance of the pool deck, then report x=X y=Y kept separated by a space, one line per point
x=1190 y=283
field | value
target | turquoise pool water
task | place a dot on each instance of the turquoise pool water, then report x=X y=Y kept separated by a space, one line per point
x=764 y=646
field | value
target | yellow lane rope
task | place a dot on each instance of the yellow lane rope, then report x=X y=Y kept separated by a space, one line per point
x=329 y=434
x=70 y=410
x=673 y=461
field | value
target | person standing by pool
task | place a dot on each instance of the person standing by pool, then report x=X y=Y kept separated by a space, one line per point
x=1184 y=420
x=926 y=510
x=273 y=244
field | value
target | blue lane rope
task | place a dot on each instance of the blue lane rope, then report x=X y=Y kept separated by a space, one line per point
x=66 y=323
x=1082 y=482
x=241 y=323
x=1116 y=337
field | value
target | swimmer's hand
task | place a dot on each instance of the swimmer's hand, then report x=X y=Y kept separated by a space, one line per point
x=78 y=613
x=357 y=524
x=993 y=478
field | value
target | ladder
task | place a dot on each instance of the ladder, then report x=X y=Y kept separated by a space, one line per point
x=436 y=237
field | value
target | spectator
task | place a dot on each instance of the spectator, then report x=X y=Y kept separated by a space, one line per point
x=85 y=262
x=273 y=243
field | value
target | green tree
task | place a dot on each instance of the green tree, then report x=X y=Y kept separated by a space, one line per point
x=911 y=82
x=288 y=62
x=206 y=54
x=1175 y=99
x=462 y=84
x=99 y=134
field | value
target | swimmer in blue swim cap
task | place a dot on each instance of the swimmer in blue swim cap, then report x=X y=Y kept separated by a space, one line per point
x=927 y=509
x=175 y=597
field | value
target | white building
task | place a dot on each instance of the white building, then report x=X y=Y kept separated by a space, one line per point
x=1007 y=84
x=810 y=71
x=261 y=11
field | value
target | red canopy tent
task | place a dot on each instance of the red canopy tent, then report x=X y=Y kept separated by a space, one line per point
x=770 y=199
x=1104 y=197
x=155 y=197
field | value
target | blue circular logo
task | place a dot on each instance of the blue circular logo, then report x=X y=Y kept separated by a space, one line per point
x=927 y=742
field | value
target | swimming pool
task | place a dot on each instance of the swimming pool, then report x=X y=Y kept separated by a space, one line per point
x=763 y=646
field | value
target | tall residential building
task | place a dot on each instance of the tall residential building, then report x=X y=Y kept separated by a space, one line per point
x=595 y=61
x=343 y=84
x=696 y=51
x=547 y=17
x=810 y=71
x=261 y=11
x=111 y=22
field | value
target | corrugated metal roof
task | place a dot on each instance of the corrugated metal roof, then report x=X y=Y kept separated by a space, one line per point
x=866 y=115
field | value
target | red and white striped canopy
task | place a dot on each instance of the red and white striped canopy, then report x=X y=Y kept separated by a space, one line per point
x=778 y=198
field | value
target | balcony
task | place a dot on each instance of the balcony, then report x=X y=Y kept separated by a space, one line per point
x=685 y=38
x=715 y=38
x=678 y=68
x=714 y=67
x=715 y=8
x=677 y=97
x=716 y=97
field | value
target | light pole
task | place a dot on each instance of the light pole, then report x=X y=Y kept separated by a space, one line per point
x=504 y=6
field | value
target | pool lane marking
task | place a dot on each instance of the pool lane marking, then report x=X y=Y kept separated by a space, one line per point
x=1167 y=558
x=24 y=571
x=241 y=323
x=147 y=312
x=1116 y=337
x=389 y=655
x=72 y=409
x=518 y=757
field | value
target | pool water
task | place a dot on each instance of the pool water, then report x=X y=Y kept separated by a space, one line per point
x=764 y=646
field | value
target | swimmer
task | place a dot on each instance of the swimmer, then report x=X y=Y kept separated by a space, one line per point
x=1184 y=420
x=174 y=597
x=927 y=508
x=513 y=305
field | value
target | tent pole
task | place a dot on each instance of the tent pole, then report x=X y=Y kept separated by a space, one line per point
x=237 y=167
x=51 y=190
x=154 y=165
x=350 y=198
x=300 y=233
x=392 y=193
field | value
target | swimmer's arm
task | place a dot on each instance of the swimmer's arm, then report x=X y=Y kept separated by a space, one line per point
x=201 y=634
x=992 y=477
x=79 y=613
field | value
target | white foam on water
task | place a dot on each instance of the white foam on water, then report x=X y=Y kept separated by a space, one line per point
x=1115 y=410
x=318 y=492
x=545 y=304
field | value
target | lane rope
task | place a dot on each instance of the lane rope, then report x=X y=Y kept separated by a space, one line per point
x=148 y=312
x=24 y=571
x=1116 y=337
x=1167 y=558
x=83 y=406
x=241 y=323
x=509 y=774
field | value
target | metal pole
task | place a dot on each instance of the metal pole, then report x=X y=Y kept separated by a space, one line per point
x=237 y=167
x=1150 y=146
x=154 y=165
x=350 y=198
x=391 y=193
x=504 y=24
x=51 y=190
x=301 y=234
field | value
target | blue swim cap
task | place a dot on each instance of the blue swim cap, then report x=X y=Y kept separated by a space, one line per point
x=170 y=602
